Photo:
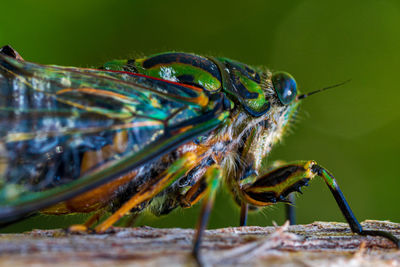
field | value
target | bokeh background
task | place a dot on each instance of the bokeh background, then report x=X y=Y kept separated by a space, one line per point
x=353 y=130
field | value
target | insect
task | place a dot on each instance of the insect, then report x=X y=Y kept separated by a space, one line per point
x=153 y=133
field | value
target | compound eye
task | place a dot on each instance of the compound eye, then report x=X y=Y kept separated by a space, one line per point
x=285 y=87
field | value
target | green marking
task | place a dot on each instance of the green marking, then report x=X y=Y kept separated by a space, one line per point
x=174 y=70
x=328 y=179
x=214 y=177
x=258 y=103
x=116 y=65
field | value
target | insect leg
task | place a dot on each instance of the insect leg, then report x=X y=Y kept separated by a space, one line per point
x=249 y=177
x=93 y=219
x=244 y=208
x=345 y=208
x=175 y=171
x=277 y=184
x=195 y=193
x=291 y=210
x=212 y=177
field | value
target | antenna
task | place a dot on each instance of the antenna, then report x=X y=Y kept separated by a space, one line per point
x=320 y=90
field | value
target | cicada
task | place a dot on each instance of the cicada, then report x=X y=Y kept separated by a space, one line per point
x=154 y=133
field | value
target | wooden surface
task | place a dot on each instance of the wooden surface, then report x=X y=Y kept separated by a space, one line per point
x=317 y=244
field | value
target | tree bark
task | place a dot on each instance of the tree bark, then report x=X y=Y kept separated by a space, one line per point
x=316 y=244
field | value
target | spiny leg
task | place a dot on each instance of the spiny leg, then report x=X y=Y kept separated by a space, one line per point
x=248 y=179
x=151 y=189
x=290 y=211
x=277 y=184
x=290 y=207
x=212 y=177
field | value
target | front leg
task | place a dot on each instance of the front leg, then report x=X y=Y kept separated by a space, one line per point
x=249 y=177
x=276 y=185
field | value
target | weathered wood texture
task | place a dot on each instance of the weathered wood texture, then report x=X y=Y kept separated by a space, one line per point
x=317 y=244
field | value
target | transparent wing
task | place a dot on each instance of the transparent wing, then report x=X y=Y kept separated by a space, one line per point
x=64 y=131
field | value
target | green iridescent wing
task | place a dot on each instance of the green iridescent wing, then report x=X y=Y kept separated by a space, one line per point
x=51 y=117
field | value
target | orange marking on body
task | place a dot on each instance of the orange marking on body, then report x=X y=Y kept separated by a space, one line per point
x=181 y=130
x=202 y=100
x=93 y=91
x=92 y=200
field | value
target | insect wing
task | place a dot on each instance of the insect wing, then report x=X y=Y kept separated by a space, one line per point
x=64 y=131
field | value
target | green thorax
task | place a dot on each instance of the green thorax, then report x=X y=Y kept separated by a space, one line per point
x=242 y=84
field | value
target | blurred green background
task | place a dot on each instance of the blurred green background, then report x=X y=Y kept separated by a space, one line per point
x=353 y=130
